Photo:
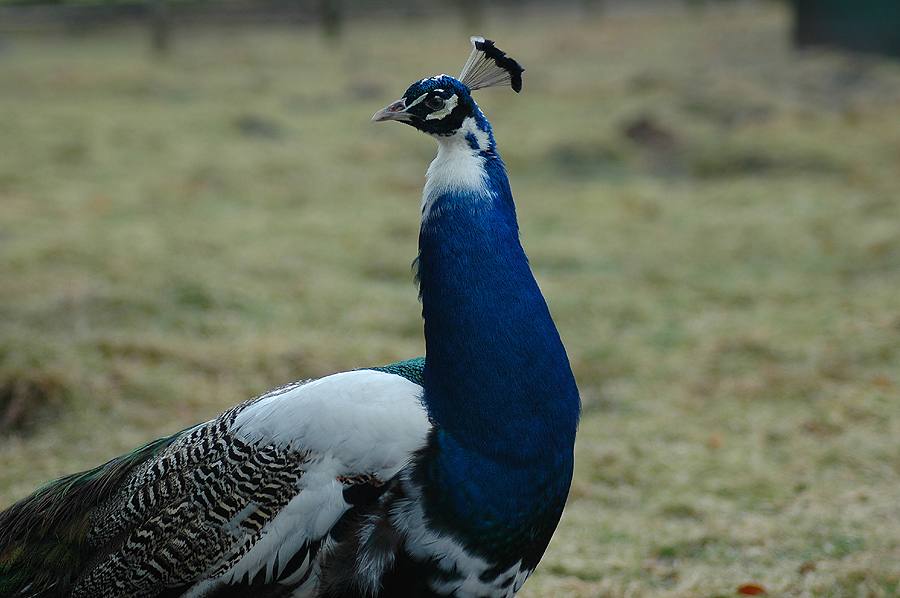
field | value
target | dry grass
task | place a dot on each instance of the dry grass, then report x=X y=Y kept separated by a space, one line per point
x=713 y=218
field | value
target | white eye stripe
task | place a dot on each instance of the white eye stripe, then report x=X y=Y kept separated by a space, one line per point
x=418 y=100
x=425 y=96
x=449 y=105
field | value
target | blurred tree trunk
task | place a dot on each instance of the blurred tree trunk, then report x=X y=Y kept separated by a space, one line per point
x=160 y=25
x=331 y=18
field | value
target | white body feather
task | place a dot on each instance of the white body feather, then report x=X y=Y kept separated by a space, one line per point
x=369 y=421
x=364 y=422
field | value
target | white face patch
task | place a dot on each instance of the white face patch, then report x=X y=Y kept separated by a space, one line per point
x=449 y=104
x=457 y=166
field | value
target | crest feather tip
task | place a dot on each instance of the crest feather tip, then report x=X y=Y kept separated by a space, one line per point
x=489 y=66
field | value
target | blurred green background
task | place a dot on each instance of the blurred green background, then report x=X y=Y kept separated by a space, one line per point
x=713 y=216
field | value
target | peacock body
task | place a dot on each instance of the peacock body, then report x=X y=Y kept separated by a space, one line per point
x=444 y=475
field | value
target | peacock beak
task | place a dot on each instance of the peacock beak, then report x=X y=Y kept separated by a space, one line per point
x=396 y=111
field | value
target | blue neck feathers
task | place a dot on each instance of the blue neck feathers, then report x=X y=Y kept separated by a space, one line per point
x=497 y=380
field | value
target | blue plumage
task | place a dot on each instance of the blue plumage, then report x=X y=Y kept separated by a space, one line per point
x=485 y=317
x=439 y=476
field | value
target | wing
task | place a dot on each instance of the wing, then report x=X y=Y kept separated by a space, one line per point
x=249 y=498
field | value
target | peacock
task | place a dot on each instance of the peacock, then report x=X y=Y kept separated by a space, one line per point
x=443 y=475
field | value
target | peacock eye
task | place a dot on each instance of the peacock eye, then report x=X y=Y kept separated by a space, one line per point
x=435 y=102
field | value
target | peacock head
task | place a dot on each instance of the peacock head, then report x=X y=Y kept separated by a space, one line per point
x=439 y=105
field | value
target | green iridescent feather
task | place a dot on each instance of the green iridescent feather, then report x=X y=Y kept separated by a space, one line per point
x=411 y=369
x=43 y=537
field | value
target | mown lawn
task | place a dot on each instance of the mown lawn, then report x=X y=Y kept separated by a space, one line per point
x=713 y=216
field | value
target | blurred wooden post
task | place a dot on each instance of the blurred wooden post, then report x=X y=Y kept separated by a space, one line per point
x=160 y=25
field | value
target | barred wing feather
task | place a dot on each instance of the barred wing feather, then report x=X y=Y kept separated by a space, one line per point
x=247 y=498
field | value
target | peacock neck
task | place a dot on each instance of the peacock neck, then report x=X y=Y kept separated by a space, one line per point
x=496 y=378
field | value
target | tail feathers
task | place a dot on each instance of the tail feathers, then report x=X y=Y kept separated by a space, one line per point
x=43 y=537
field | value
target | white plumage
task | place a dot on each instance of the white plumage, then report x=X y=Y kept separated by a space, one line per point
x=368 y=423
x=372 y=419
x=457 y=167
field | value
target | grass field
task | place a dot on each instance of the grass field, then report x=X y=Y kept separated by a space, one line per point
x=714 y=219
